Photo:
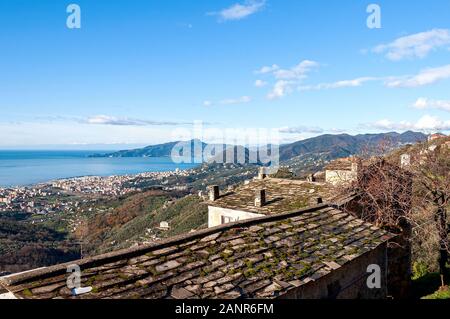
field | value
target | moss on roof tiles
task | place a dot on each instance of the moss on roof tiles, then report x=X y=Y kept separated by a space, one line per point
x=281 y=196
x=249 y=258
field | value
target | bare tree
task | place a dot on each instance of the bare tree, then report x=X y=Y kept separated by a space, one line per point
x=432 y=175
x=411 y=198
x=385 y=190
x=385 y=194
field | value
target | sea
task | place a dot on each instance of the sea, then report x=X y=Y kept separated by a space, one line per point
x=26 y=168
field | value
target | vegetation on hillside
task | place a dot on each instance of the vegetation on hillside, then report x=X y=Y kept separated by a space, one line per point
x=24 y=245
x=137 y=219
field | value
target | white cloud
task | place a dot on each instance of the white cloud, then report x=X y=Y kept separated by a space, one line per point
x=301 y=129
x=280 y=89
x=267 y=69
x=425 y=124
x=124 y=121
x=424 y=103
x=287 y=79
x=339 y=84
x=424 y=77
x=260 y=83
x=297 y=72
x=417 y=45
x=240 y=11
x=241 y=100
x=31 y=134
x=106 y=120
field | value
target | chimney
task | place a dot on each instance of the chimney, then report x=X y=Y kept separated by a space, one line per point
x=262 y=173
x=214 y=193
x=405 y=160
x=319 y=200
x=260 y=199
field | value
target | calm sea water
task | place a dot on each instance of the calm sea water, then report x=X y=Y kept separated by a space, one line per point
x=21 y=168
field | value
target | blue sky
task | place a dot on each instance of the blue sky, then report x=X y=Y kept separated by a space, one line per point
x=138 y=70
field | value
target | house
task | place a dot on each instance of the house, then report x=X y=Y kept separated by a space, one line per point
x=261 y=197
x=436 y=136
x=405 y=160
x=164 y=225
x=313 y=253
x=342 y=171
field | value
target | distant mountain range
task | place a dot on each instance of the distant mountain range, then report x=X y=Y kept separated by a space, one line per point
x=160 y=150
x=345 y=145
x=335 y=146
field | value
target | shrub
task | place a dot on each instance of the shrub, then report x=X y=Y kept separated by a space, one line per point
x=420 y=269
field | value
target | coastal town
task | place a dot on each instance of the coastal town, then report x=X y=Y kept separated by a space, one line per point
x=66 y=195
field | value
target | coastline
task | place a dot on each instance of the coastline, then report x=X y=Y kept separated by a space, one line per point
x=34 y=198
x=32 y=168
x=152 y=174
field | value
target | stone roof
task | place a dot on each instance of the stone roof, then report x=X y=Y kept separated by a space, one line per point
x=282 y=195
x=342 y=164
x=259 y=258
x=436 y=136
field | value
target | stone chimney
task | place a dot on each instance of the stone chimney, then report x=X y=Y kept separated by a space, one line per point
x=214 y=193
x=262 y=173
x=260 y=199
x=405 y=160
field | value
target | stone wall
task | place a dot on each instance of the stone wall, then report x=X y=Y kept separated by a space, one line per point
x=347 y=282
x=399 y=265
x=399 y=252
x=339 y=177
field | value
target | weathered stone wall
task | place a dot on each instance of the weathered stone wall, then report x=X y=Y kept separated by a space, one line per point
x=338 y=177
x=399 y=265
x=399 y=252
x=215 y=215
x=347 y=282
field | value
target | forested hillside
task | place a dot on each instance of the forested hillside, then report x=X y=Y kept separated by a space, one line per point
x=24 y=245
x=136 y=219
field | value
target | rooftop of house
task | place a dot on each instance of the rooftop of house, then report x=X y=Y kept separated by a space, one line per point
x=258 y=258
x=436 y=136
x=342 y=164
x=282 y=195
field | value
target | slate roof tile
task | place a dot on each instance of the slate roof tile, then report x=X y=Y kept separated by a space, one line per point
x=250 y=259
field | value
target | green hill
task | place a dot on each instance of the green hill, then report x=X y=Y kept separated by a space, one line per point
x=137 y=218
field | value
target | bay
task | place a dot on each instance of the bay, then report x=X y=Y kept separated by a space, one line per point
x=24 y=168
